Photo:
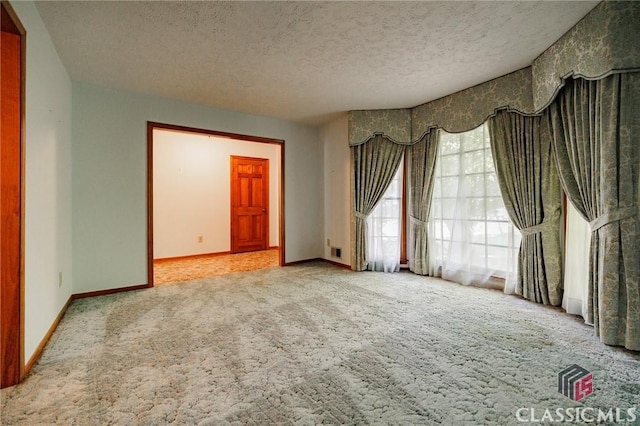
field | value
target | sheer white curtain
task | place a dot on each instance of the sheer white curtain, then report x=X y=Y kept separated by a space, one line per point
x=576 y=270
x=384 y=228
x=473 y=240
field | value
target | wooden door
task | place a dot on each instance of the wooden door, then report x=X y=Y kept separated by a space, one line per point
x=11 y=321
x=249 y=204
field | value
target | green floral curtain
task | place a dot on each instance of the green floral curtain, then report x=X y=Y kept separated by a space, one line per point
x=375 y=162
x=596 y=136
x=421 y=163
x=528 y=180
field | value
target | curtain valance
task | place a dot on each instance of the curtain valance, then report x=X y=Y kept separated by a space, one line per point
x=395 y=124
x=465 y=110
x=560 y=83
x=460 y=112
x=604 y=42
x=387 y=138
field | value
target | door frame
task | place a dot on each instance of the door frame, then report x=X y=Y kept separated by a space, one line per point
x=151 y=126
x=13 y=371
x=232 y=192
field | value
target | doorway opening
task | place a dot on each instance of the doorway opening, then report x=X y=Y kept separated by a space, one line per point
x=195 y=228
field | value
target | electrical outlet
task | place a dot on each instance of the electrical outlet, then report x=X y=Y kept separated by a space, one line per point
x=59 y=279
x=200 y=239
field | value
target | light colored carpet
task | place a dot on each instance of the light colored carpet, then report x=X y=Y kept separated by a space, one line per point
x=169 y=271
x=313 y=344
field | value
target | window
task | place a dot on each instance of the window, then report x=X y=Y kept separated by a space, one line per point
x=473 y=240
x=384 y=228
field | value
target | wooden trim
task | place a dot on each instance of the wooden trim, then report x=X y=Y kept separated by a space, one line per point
x=318 y=259
x=151 y=125
x=236 y=136
x=341 y=265
x=273 y=247
x=150 y=128
x=192 y=256
x=23 y=159
x=14 y=371
x=10 y=22
x=300 y=262
x=281 y=176
x=109 y=291
x=38 y=352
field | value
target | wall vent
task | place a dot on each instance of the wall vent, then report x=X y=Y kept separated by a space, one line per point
x=336 y=252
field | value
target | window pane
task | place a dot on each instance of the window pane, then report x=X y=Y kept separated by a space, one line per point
x=449 y=186
x=475 y=208
x=488 y=163
x=448 y=208
x=497 y=258
x=492 y=185
x=498 y=233
x=390 y=227
x=435 y=229
x=474 y=185
x=478 y=256
x=473 y=162
x=445 y=252
x=473 y=139
x=436 y=208
x=437 y=188
x=450 y=165
x=478 y=231
x=517 y=237
x=384 y=228
x=394 y=189
x=449 y=143
x=447 y=229
x=388 y=207
x=470 y=226
x=390 y=243
x=496 y=209
x=487 y=138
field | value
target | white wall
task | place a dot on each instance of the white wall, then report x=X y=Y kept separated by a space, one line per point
x=109 y=180
x=191 y=191
x=337 y=192
x=48 y=180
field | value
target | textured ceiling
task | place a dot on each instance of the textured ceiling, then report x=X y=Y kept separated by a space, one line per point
x=302 y=61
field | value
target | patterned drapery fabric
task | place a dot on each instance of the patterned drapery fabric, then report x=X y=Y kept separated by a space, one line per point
x=421 y=163
x=596 y=136
x=374 y=162
x=530 y=187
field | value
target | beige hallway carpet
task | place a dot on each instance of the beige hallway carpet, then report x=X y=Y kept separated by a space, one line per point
x=313 y=344
x=169 y=271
